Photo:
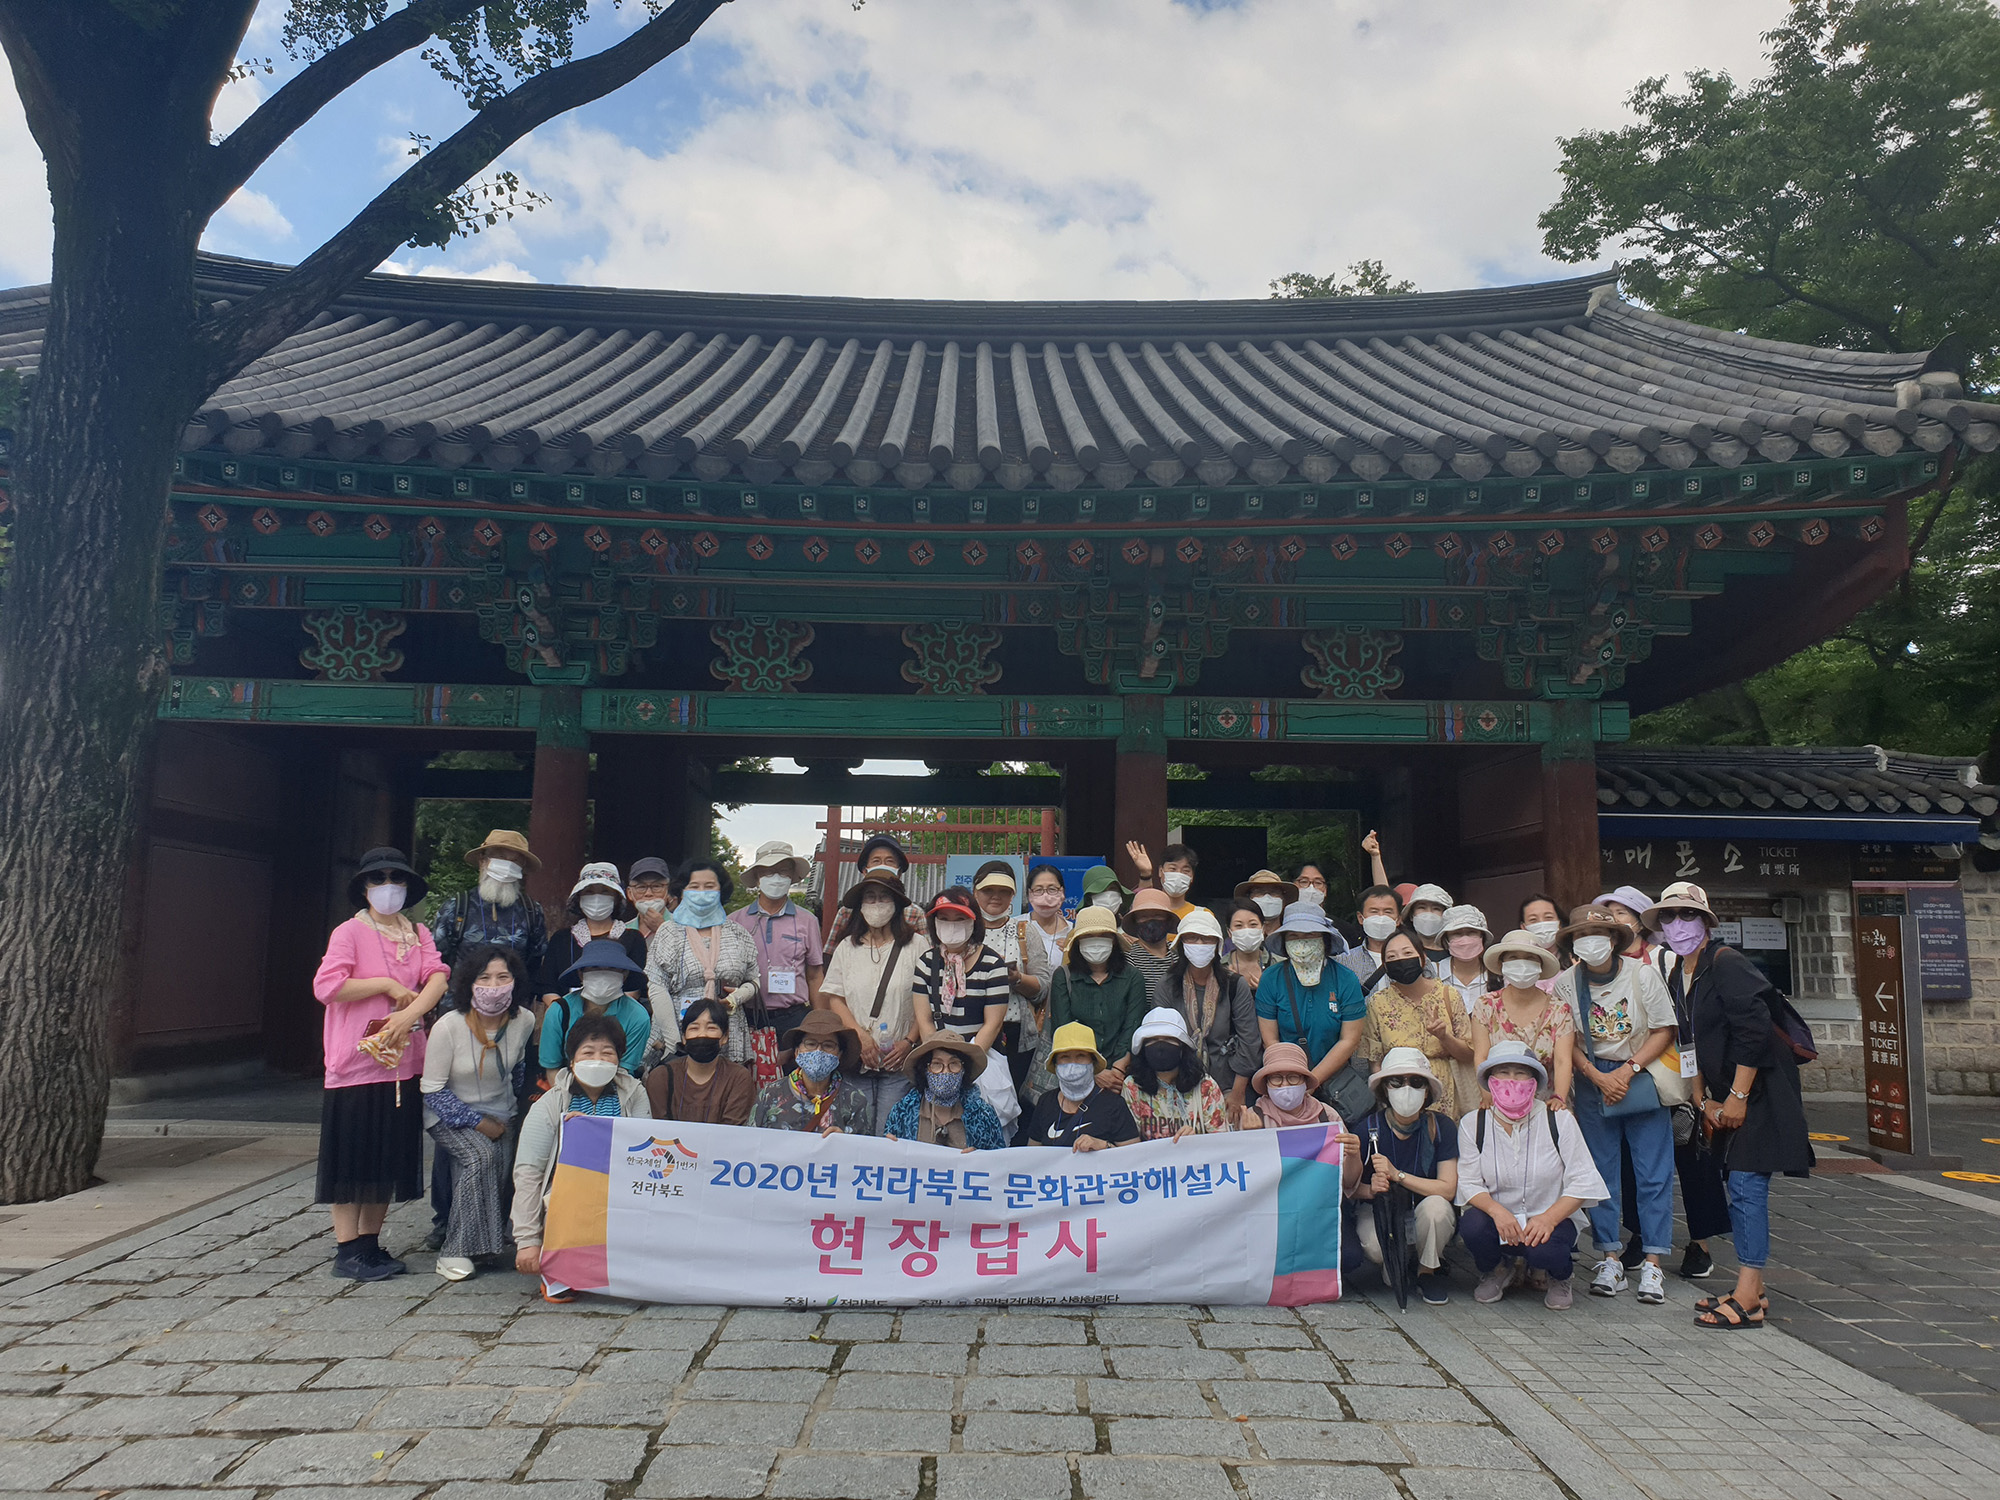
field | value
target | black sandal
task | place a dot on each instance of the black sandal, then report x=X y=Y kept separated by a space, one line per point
x=1707 y=1304
x=1732 y=1321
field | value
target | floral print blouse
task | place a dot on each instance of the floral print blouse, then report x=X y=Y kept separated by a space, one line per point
x=1165 y=1114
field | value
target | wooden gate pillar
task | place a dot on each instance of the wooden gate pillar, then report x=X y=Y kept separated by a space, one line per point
x=1140 y=799
x=1571 y=866
x=558 y=818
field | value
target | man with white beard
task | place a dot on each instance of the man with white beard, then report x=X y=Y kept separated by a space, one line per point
x=496 y=911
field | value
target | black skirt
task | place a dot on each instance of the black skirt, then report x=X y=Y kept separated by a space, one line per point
x=371 y=1146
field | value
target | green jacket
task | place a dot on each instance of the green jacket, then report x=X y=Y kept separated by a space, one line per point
x=1112 y=1009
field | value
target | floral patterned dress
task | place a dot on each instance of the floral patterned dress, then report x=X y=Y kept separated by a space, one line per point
x=1548 y=1035
x=1165 y=1114
x=1399 y=1020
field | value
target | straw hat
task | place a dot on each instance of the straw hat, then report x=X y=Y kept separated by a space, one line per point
x=1074 y=1037
x=1521 y=944
x=1267 y=880
x=507 y=844
x=1093 y=921
x=1682 y=895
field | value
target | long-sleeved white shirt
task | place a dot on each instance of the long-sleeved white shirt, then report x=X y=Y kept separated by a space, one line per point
x=1522 y=1167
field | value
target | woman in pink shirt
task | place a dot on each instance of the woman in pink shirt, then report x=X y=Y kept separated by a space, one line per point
x=380 y=977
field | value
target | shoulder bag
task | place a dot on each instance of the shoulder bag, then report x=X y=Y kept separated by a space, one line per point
x=1348 y=1090
x=1644 y=1093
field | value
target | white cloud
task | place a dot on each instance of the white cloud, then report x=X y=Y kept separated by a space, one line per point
x=499 y=270
x=249 y=211
x=27 y=228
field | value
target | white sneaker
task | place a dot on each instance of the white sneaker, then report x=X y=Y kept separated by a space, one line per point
x=1608 y=1282
x=454 y=1267
x=1652 y=1283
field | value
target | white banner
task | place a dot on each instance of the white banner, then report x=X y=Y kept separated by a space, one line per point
x=671 y=1212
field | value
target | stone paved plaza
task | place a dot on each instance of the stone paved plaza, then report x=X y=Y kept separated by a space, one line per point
x=214 y=1352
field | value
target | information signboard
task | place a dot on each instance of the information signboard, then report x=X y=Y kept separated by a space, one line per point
x=1886 y=1015
x=1724 y=864
x=1944 y=966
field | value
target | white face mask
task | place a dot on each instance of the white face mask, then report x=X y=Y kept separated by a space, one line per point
x=1109 y=900
x=1544 y=932
x=595 y=1071
x=1095 y=950
x=1593 y=950
x=1075 y=1079
x=502 y=870
x=1406 y=1100
x=1310 y=896
x=596 y=906
x=1288 y=1096
x=951 y=932
x=1522 y=973
x=1428 y=923
x=1308 y=956
x=1200 y=955
x=1246 y=939
x=1174 y=883
x=1378 y=927
x=653 y=905
x=889 y=870
x=777 y=887
x=1270 y=906
x=602 y=985
x=877 y=913
x=387 y=900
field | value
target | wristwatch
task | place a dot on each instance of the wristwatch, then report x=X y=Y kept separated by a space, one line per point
x=1734 y=1094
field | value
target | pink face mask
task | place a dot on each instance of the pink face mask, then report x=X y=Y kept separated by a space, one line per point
x=1045 y=899
x=1467 y=946
x=1513 y=1097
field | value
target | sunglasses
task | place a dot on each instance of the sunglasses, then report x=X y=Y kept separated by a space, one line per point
x=1411 y=1083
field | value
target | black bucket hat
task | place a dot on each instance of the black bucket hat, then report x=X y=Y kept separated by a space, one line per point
x=389 y=861
x=882 y=841
x=603 y=953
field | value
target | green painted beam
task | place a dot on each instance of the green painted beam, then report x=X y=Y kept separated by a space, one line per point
x=1194 y=720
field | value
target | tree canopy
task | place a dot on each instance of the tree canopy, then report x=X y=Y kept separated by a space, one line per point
x=1849 y=198
x=1365 y=278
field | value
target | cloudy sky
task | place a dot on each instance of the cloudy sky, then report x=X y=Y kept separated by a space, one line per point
x=1009 y=148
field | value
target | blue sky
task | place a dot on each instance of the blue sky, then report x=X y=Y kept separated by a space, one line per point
x=1013 y=148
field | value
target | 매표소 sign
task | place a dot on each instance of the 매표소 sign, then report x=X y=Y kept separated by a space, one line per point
x=667 y=1211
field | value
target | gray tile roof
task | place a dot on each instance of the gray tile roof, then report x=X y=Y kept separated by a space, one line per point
x=1786 y=779
x=1562 y=377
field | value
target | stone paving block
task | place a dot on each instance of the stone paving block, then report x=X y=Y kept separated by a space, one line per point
x=1010 y=1432
x=533 y=1408
x=350 y=1373
x=653 y=1367
x=679 y=1333
x=1383 y=1404
x=770 y=1354
x=1327 y=1442
x=121 y=1416
x=1278 y=1398
x=125 y=1333
x=1471 y=1484
x=839 y=1477
x=432 y=1345
x=1019 y=1393
x=1368 y=1373
x=728 y=1421
x=428 y=1406
x=1253 y=1336
x=939 y=1328
x=674 y=1310
x=589 y=1453
x=205 y=1348
x=1349 y=1345
x=572 y=1355
x=871 y=1392
x=614 y=1406
x=164 y=1461
x=128 y=1377
x=556 y=1489
x=1290 y=1364
x=1437 y=1446
x=883 y=1431
x=244 y=1379
x=758 y=1385
x=909 y=1359
x=770 y=1323
x=566 y=1327
x=989 y=1476
x=41 y=1466
x=707 y=1474
x=24 y=1416
x=56 y=1359
x=1168 y=1331
x=1031 y=1328
x=1031 y=1359
x=1318 y=1482
x=321 y=1458
x=1153 y=1479
x=1173 y=1437
x=1355 y=1313
x=296 y=1411
x=459 y=1453
x=1147 y=1398
x=859 y=1327
x=1171 y=1364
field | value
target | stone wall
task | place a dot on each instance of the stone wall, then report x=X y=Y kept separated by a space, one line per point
x=1962 y=1037
x=1826 y=994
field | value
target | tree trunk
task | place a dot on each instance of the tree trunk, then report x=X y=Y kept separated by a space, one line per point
x=81 y=661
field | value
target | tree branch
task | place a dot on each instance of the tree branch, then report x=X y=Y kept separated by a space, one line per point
x=278 y=118
x=261 y=322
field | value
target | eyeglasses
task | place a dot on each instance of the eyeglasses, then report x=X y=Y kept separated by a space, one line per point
x=938 y=1065
x=1310 y=883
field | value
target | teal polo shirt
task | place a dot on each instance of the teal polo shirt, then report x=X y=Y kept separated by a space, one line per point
x=1324 y=1007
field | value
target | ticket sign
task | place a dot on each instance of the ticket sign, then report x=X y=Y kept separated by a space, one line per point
x=1886 y=1018
x=1723 y=864
x=1944 y=966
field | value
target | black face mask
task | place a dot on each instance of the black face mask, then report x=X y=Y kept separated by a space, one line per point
x=1151 y=932
x=703 y=1049
x=1162 y=1056
x=1404 y=970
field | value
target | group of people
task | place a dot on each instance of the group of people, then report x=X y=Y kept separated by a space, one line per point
x=1512 y=1090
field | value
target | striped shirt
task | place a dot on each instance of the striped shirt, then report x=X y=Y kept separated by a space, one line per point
x=962 y=1010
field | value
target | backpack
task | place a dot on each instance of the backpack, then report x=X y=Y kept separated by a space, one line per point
x=1479 y=1132
x=1788 y=1028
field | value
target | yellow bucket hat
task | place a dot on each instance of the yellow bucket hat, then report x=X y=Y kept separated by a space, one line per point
x=1075 y=1037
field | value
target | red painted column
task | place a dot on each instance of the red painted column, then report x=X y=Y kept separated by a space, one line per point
x=1572 y=868
x=559 y=816
x=1139 y=803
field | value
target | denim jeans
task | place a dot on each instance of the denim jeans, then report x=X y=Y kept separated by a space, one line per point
x=883 y=1090
x=1650 y=1136
x=1750 y=1217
